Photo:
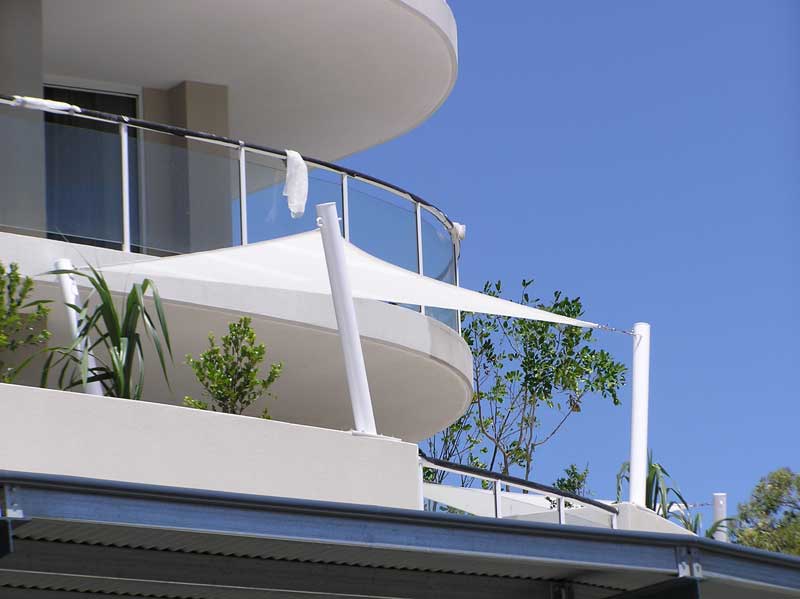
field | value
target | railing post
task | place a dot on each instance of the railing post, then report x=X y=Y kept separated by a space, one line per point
x=498 y=498
x=126 y=197
x=243 y=193
x=420 y=268
x=343 y=306
x=562 y=516
x=345 y=207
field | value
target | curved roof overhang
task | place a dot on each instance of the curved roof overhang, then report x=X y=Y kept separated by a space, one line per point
x=326 y=82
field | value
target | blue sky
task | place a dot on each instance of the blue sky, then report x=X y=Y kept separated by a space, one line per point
x=645 y=156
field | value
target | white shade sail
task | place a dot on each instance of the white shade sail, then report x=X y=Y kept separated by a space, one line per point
x=297 y=263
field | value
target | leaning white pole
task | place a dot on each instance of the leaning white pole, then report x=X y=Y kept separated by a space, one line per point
x=69 y=290
x=640 y=387
x=342 y=294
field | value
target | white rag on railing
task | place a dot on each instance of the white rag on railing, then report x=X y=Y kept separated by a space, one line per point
x=296 y=187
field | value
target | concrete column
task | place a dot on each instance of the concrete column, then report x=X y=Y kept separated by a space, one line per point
x=22 y=157
x=189 y=185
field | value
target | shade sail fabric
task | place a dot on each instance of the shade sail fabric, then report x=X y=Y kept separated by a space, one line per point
x=297 y=262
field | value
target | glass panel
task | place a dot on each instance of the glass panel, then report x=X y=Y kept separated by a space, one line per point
x=83 y=170
x=438 y=261
x=191 y=195
x=268 y=215
x=383 y=224
x=23 y=207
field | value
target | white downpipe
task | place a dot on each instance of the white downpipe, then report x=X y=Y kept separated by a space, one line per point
x=640 y=391
x=720 y=512
x=342 y=295
x=69 y=290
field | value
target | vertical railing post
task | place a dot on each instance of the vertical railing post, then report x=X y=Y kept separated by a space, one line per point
x=345 y=207
x=126 y=189
x=458 y=282
x=640 y=399
x=498 y=499
x=420 y=268
x=243 y=193
x=343 y=306
x=562 y=515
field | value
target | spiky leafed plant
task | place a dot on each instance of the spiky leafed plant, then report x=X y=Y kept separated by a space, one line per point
x=658 y=494
x=113 y=339
x=22 y=321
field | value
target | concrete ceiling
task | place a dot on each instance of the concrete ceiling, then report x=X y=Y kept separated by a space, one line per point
x=325 y=78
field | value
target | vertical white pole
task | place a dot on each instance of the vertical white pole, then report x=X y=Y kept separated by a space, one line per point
x=126 y=188
x=345 y=310
x=640 y=387
x=345 y=207
x=243 y=194
x=720 y=512
x=69 y=290
x=421 y=486
x=498 y=499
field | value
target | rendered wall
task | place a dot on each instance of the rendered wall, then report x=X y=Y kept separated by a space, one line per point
x=22 y=197
x=72 y=434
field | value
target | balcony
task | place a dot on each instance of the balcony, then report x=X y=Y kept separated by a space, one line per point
x=115 y=182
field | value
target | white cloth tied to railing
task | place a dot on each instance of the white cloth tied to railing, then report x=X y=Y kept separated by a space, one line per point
x=296 y=187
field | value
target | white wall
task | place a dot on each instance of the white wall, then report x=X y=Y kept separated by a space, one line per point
x=72 y=434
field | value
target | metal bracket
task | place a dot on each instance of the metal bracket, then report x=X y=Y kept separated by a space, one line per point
x=688 y=562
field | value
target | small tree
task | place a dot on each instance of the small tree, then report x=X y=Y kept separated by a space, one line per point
x=660 y=496
x=771 y=518
x=21 y=321
x=574 y=481
x=229 y=373
x=112 y=337
x=522 y=370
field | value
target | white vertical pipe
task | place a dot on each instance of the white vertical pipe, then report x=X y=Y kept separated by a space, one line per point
x=720 y=512
x=420 y=269
x=346 y=322
x=640 y=390
x=126 y=188
x=69 y=290
x=562 y=513
x=421 y=499
x=243 y=194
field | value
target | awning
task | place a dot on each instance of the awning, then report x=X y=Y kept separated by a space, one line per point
x=297 y=263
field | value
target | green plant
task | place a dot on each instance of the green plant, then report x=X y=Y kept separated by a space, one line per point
x=574 y=481
x=21 y=321
x=229 y=373
x=771 y=518
x=529 y=378
x=112 y=338
x=663 y=499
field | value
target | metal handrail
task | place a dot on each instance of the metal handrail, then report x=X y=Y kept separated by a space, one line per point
x=512 y=481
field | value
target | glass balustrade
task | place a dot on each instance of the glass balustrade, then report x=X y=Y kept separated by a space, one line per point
x=61 y=177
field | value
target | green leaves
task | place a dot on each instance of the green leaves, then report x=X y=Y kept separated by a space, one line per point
x=525 y=374
x=771 y=518
x=230 y=373
x=112 y=338
x=22 y=322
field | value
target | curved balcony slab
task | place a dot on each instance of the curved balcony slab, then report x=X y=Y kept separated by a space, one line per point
x=324 y=79
x=419 y=369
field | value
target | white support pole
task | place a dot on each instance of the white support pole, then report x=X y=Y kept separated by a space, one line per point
x=720 y=512
x=69 y=290
x=640 y=390
x=342 y=295
x=498 y=499
x=243 y=194
x=126 y=188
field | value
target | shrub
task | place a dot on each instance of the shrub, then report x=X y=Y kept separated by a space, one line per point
x=21 y=321
x=229 y=373
x=112 y=338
